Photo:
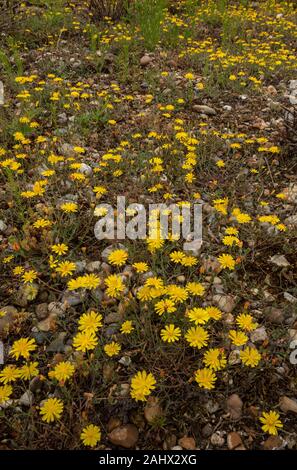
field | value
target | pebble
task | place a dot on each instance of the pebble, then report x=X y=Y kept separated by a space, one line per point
x=234 y=441
x=274 y=315
x=217 y=439
x=234 y=406
x=226 y=303
x=41 y=311
x=72 y=298
x=280 y=261
x=187 y=443
x=125 y=436
x=202 y=108
x=93 y=266
x=288 y=404
x=152 y=410
x=3 y=226
x=145 y=60
x=259 y=335
x=27 y=398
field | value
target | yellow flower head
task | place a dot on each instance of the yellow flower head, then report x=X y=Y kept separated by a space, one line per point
x=91 y=435
x=51 y=409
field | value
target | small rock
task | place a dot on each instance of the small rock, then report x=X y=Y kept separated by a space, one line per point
x=187 y=443
x=217 y=439
x=152 y=410
x=288 y=404
x=202 y=108
x=125 y=361
x=176 y=448
x=234 y=406
x=234 y=357
x=292 y=334
x=93 y=266
x=234 y=440
x=85 y=169
x=113 y=423
x=226 y=303
x=291 y=221
x=27 y=398
x=273 y=443
x=49 y=324
x=145 y=60
x=290 y=298
x=56 y=308
x=3 y=226
x=80 y=266
x=274 y=315
x=259 y=335
x=41 y=311
x=124 y=436
x=280 y=261
x=271 y=90
x=73 y=298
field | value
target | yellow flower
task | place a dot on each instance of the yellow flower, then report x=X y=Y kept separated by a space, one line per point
x=198 y=315
x=91 y=435
x=9 y=374
x=189 y=76
x=165 y=305
x=250 y=357
x=231 y=231
x=90 y=322
x=215 y=359
x=18 y=270
x=22 y=347
x=141 y=385
x=170 y=333
x=205 y=378
x=118 y=257
x=271 y=422
x=29 y=370
x=69 y=207
x=246 y=322
x=140 y=267
x=115 y=286
x=112 y=349
x=85 y=341
x=127 y=327
x=197 y=337
x=5 y=392
x=66 y=268
x=177 y=256
x=177 y=293
x=60 y=249
x=51 y=409
x=195 y=288
x=214 y=312
x=29 y=276
x=227 y=261
x=238 y=338
x=62 y=371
